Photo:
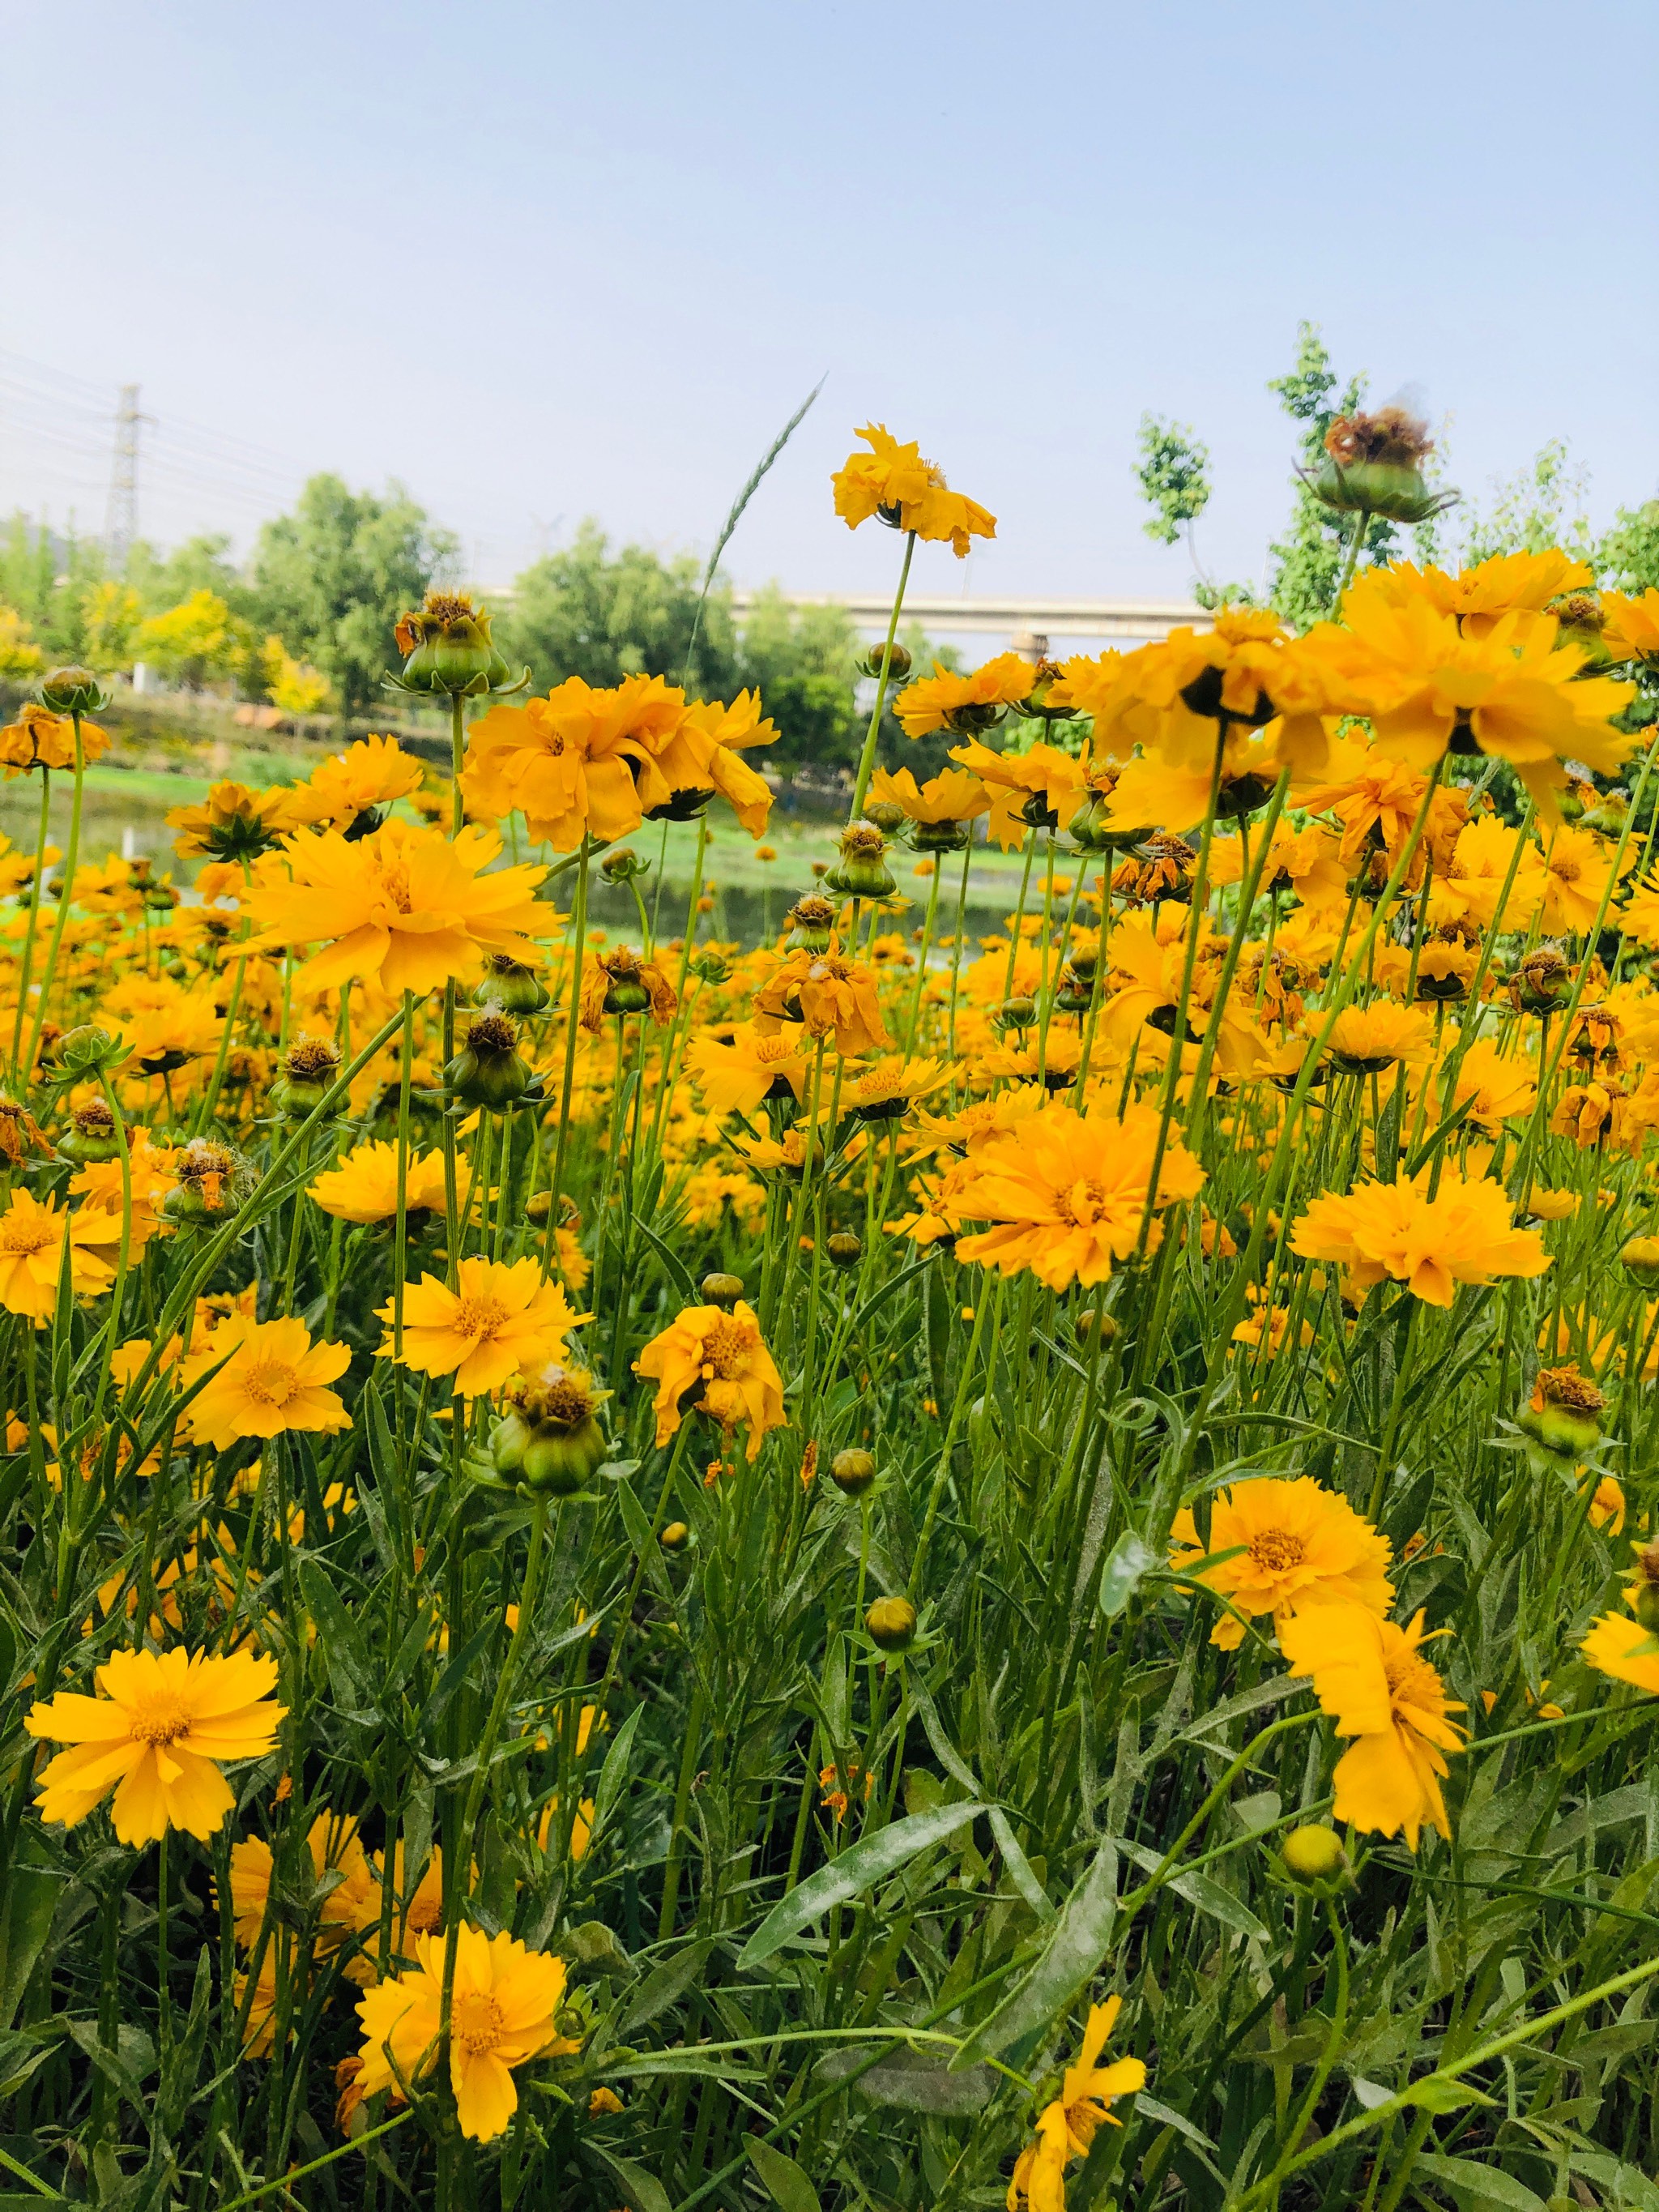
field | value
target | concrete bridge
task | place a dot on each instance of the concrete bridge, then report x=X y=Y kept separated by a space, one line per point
x=1034 y=627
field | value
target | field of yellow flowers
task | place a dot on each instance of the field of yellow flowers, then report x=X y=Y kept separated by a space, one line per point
x=870 y=1571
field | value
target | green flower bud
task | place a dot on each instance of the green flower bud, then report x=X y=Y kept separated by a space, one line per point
x=487 y=1072
x=862 y=872
x=508 y=987
x=811 y=923
x=73 y=691
x=1312 y=1856
x=723 y=1291
x=449 y=651
x=891 y=1622
x=852 y=1472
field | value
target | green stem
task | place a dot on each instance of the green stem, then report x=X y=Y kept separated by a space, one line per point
x=867 y=757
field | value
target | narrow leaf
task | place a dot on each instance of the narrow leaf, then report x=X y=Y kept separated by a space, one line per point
x=868 y=1862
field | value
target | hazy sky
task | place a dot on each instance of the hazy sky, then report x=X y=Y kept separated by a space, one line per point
x=541 y=262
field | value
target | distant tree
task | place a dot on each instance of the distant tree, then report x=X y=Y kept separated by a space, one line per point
x=801 y=660
x=1627 y=558
x=20 y=658
x=200 y=564
x=111 y=614
x=1540 y=506
x=331 y=579
x=46 y=575
x=196 y=642
x=588 y=612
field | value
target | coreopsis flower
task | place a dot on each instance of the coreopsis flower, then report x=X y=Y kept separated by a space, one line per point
x=894 y=483
x=624 y=982
x=1149 y=965
x=350 y=1906
x=363 y=1187
x=345 y=792
x=739 y=1071
x=1303 y=1546
x=943 y=804
x=234 y=822
x=1372 y=1676
x=890 y=1087
x=704 y=755
x=1463 y=1234
x=1495 y=1089
x=579 y=762
x=1366 y=1040
x=1067 y=1193
x=1038 y=788
x=504 y=2008
x=1477 y=598
x=1376 y=799
x=1469 y=879
x=39 y=738
x=1069 y=2124
x=1428 y=687
x=448 y=649
x=966 y=705
x=275 y=1380
x=1594 y=1114
x=717 y=1363
x=1629 y=629
x=502 y=1316
x=1194 y=689
x=1578 y=865
x=405 y=906
x=164 y=1725
x=32 y=1239
x=830 y=995
x=1153 y=789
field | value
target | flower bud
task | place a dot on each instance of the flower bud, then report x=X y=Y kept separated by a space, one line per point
x=862 y=872
x=309 y=1068
x=1074 y=995
x=84 y=1050
x=623 y=865
x=811 y=923
x=941 y=836
x=509 y=987
x=1643 y=1593
x=891 y=1622
x=844 y=1248
x=713 y=967
x=214 y=1184
x=1093 y=1327
x=1640 y=1258
x=1044 y=676
x=1564 y=1413
x=722 y=1290
x=487 y=1072
x=897 y=660
x=448 y=649
x=73 y=691
x=886 y=817
x=90 y=1137
x=1540 y=982
x=853 y=1472
x=551 y=1430
x=1015 y=1013
x=675 y=1537
x=1375 y=467
x=1313 y=1855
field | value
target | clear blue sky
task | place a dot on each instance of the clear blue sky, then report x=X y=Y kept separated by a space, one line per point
x=547 y=261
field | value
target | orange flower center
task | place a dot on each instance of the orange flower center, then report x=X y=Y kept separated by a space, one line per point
x=479 y=1317
x=394 y=886
x=1083 y=1204
x=477 y=2023
x=273 y=1382
x=726 y=1350
x=1568 y=871
x=1411 y=1682
x=1276 y=1551
x=159 y=1721
x=21 y=1238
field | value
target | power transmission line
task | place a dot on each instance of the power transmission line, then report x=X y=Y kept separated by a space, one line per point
x=121 y=516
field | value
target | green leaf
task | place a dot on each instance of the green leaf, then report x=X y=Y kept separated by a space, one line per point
x=1438 y=2094
x=1074 y=1952
x=29 y=1897
x=678 y=1273
x=665 y=1986
x=613 y=1775
x=786 y=2182
x=681 y=2058
x=1020 y=1867
x=869 y=1861
x=645 y=2192
x=349 y=1672
x=912 y=2080
x=1198 y=1889
x=1624 y=2184
x=1478 y=2188
x=1126 y=1562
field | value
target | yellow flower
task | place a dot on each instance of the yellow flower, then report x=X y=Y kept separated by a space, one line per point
x=405 y=906
x=738 y=1071
x=372 y=772
x=887 y=1089
x=1577 y=867
x=1623 y=1648
x=31 y=1237
x=1066 y=2127
x=966 y=704
x=351 y=1905
x=893 y=483
x=158 y=1736
x=1370 y=1674
x=565 y=762
x=1607 y=1506
x=274 y=1380
x=951 y=796
x=363 y=1187
x=829 y=993
x=1039 y=787
x=1303 y=1546
x=1480 y=597
x=1631 y=629
x=1463 y=1234
x=502 y=1316
x=234 y=822
x=1365 y=1040
x=503 y=2011
x=718 y=1363
x=39 y=738
x=1067 y=1193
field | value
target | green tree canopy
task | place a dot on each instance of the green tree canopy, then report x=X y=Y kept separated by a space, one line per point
x=331 y=579
x=588 y=612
